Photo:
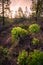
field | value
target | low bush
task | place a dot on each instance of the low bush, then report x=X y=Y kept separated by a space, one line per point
x=22 y=58
x=34 y=58
x=3 y=52
x=16 y=32
x=35 y=41
x=34 y=28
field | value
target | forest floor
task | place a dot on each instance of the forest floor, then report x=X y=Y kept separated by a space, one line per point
x=5 y=41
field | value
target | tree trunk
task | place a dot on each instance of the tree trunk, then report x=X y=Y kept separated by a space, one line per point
x=37 y=8
x=3 y=23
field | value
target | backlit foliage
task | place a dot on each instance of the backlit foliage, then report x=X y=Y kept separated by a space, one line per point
x=34 y=28
x=16 y=32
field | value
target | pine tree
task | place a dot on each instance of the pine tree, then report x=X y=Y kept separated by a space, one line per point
x=4 y=6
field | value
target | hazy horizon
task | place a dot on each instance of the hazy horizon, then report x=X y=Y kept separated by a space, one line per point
x=15 y=4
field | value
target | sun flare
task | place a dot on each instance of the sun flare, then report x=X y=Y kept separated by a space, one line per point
x=15 y=4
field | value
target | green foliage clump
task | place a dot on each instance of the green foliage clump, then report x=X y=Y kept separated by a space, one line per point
x=36 y=58
x=16 y=32
x=23 y=58
x=34 y=28
x=35 y=41
x=4 y=52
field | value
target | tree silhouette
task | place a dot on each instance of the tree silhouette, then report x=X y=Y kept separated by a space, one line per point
x=37 y=7
x=4 y=6
x=26 y=11
x=20 y=12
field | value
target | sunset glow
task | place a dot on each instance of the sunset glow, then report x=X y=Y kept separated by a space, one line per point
x=15 y=4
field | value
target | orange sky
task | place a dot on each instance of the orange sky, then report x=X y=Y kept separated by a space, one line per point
x=15 y=4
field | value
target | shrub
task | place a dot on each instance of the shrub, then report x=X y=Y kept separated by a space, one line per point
x=36 y=58
x=22 y=58
x=34 y=28
x=16 y=32
x=35 y=41
x=4 y=52
x=3 y=55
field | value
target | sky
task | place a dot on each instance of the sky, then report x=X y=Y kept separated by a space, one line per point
x=15 y=4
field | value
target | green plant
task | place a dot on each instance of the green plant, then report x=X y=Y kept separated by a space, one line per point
x=34 y=28
x=4 y=52
x=22 y=58
x=35 y=41
x=36 y=58
x=16 y=32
